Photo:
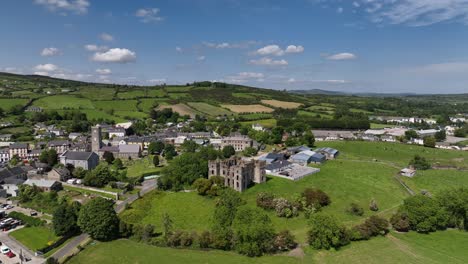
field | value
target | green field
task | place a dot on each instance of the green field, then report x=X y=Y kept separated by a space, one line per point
x=7 y=104
x=435 y=181
x=268 y=123
x=126 y=251
x=96 y=93
x=118 y=105
x=377 y=126
x=34 y=237
x=210 y=109
x=64 y=102
x=136 y=168
x=412 y=248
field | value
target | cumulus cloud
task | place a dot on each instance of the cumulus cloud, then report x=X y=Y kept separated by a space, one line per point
x=275 y=50
x=103 y=71
x=342 y=56
x=65 y=6
x=227 y=45
x=148 y=15
x=294 y=49
x=201 y=58
x=93 y=47
x=106 y=37
x=265 y=61
x=46 y=67
x=115 y=55
x=416 y=12
x=49 y=52
x=243 y=77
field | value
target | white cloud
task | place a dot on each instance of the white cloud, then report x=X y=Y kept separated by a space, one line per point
x=416 y=12
x=227 y=45
x=103 y=71
x=201 y=58
x=265 y=61
x=340 y=10
x=294 y=49
x=270 y=50
x=64 y=6
x=179 y=49
x=106 y=37
x=147 y=15
x=49 y=52
x=115 y=55
x=243 y=77
x=46 y=67
x=93 y=47
x=342 y=56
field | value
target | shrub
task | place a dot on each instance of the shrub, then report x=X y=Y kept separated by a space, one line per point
x=180 y=239
x=420 y=163
x=373 y=226
x=284 y=241
x=26 y=219
x=400 y=222
x=355 y=209
x=284 y=208
x=316 y=198
x=325 y=232
x=205 y=239
x=266 y=201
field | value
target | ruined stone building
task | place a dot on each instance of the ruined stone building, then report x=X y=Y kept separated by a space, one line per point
x=238 y=173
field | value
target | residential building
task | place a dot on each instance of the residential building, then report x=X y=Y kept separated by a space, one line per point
x=238 y=173
x=59 y=145
x=20 y=149
x=85 y=160
x=408 y=172
x=45 y=185
x=116 y=132
x=59 y=174
x=257 y=127
x=4 y=155
x=5 y=137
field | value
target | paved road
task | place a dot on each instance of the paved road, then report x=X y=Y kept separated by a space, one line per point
x=69 y=248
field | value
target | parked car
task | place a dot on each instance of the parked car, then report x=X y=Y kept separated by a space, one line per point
x=4 y=249
x=8 y=207
x=33 y=213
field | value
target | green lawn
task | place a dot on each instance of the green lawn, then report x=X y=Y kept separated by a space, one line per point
x=268 y=123
x=7 y=104
x=88 y=192
x=136 y=168
x=96 y=93
x=34 y=237
x=377 y=126
x=126 y=251
x=63 y=102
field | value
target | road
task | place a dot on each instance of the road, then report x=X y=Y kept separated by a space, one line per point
x=71 y=247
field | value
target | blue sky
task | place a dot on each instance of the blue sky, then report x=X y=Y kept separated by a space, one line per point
x=360 y=46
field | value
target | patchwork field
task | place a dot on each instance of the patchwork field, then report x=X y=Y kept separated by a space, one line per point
x=255 y=108
x=182 y=109
x=281 y=104
x=209 y=109
x=57 y=102
x=7 y=104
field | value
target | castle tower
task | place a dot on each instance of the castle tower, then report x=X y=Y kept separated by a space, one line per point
x=259 y=171
x=96 y=138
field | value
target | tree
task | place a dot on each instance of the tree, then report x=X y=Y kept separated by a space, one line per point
x=14 y=160
x=99 y=220
x=315 y=198
x=373 y=226
x=118 y=164
x=167 y=225
x=169 y=152
x=155 y=147
x=424 y=214
x=410 y=134
x=189 y=146
x=355 y=209
x=440 y=135
x=284 y=241
x=455 y=202
x=108 y=157
x=183 y=170
x=253 y=232
x=156 y=160
x=266 y=200
x=429 y=142
x=79 y=173
x=65 y=219
x=249 y=152
x=49 y=156
x=420 y=163
x=99 y=177
x=325 y=232
x=228 y=151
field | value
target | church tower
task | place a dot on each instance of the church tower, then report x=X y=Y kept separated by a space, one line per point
x=96 y=138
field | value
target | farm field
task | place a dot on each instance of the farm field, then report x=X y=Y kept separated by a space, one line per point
x=255 y=108
x=282 y=104
x=182 y=109
x=34 y=237
x=7 y=104
x=118 y=105
x=435 y=181
x=268 y=123
x=58 y=102
x=96 y=93
x=96 y=114
x=127 y=251
x=209 y=109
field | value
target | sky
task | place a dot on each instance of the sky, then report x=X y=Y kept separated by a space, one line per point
x=382 y=46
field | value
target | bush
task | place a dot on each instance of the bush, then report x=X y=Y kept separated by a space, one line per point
x=315 y=198
x=284 y=208
x=26 y=219
x=420 y=163
x=266 y=201
x=205 y=239
x=325 y=232
x=355 y=209
x=400 y=222
x=180 y=239
x=373 y=226
x=284 y=241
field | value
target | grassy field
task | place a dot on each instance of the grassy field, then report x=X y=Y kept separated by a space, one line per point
x=34 y=237
x=64 y=102
x=209 y=109
x=96 y=114
x=88 y=192
x=412 y=248
x=118 y=105
x=255 y=108
x=136 y=168
x=126 y=251
x=435 y=181
x=377 y=126
x=96 y=93
x=7 y=104
x=182 y=109
x=281 y=104
x=268 y=123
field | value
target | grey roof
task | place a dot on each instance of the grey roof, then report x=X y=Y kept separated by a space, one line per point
x=330 y=151
x=40 y=183
x=129 y=148
x=18 y=146
x=62 y=171
x=298 y=149
x=277 y=165
x=77 y=155
x=58 y=143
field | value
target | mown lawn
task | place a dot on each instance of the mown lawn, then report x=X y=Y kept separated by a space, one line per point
x=34 y=237
x=126 y=251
